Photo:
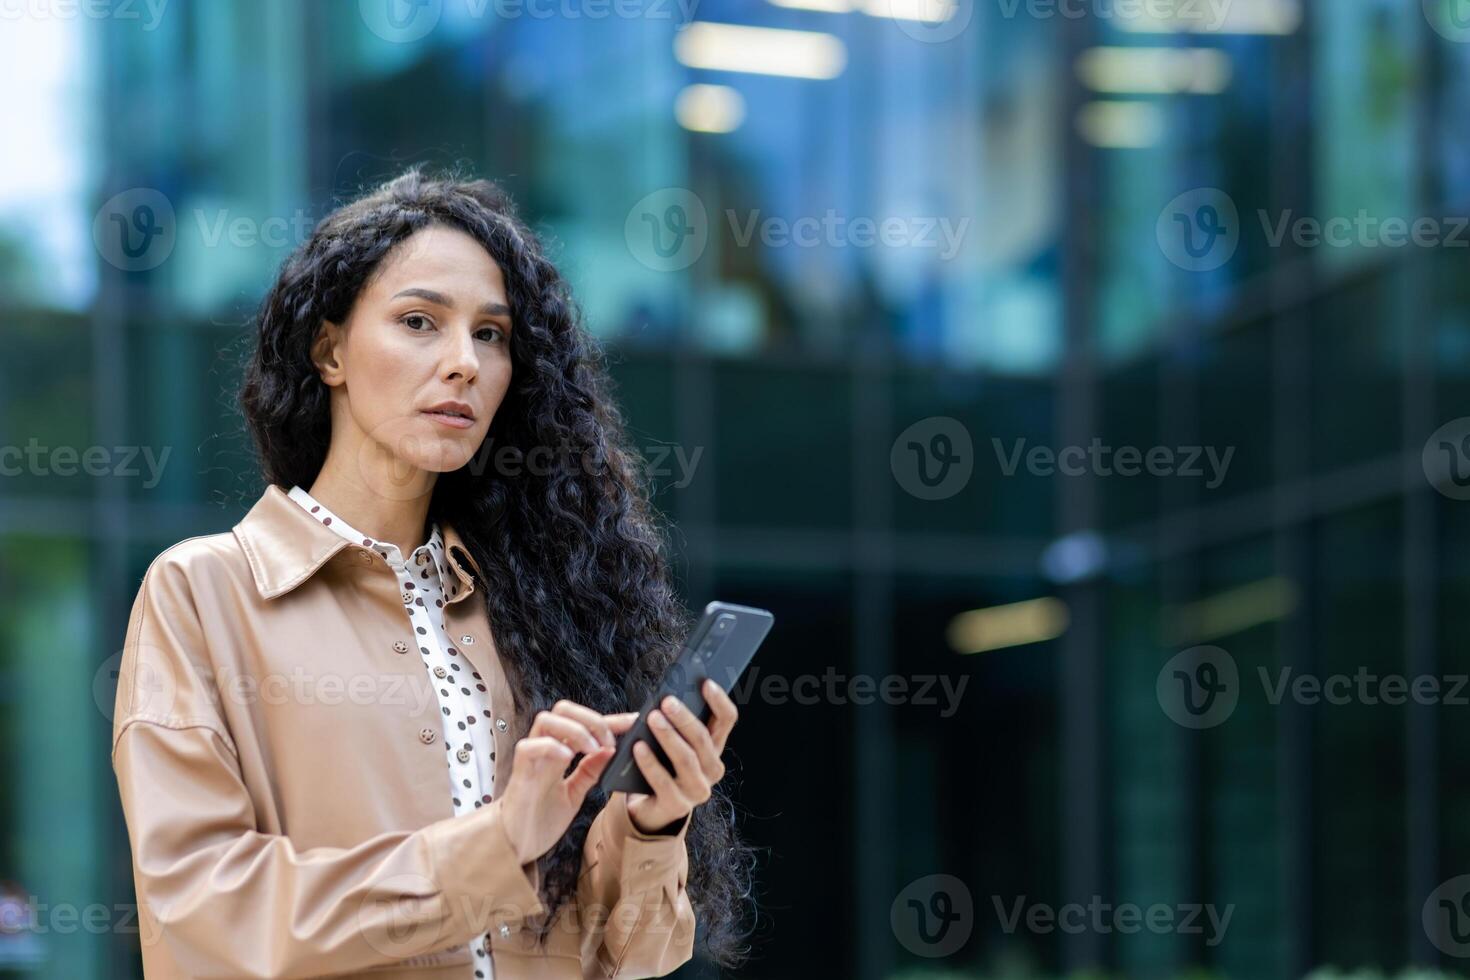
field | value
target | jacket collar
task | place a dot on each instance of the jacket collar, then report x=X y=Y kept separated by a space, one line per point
x=285 y=546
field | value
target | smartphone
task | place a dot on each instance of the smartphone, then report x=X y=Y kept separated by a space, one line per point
x=719 y=647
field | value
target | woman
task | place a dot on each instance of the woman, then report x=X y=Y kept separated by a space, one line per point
x=361 y=732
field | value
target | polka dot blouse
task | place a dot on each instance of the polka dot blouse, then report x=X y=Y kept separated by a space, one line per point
x=464 y=708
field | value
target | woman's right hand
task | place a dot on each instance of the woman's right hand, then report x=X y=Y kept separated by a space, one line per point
x=538 y=803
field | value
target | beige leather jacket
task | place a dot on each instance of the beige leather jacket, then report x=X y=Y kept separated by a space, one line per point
x=278 y=751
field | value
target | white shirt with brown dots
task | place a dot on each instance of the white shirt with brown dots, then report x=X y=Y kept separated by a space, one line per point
x=464 y=708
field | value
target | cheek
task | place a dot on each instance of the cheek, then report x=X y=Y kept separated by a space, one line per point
x=382 y=381
x=384 y=376
x=384 y=389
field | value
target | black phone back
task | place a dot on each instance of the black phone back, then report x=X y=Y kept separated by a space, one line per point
x=720 y=647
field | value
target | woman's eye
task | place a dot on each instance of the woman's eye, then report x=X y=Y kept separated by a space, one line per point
x=411 y=319
x=493 y=333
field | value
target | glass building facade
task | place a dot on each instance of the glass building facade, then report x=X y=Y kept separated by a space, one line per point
x=1032 y=225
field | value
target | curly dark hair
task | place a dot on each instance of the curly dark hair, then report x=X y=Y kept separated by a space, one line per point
x=593 y=617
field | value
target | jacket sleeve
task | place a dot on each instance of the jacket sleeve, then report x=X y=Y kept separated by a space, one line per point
x=638 y=921
x=230 y=901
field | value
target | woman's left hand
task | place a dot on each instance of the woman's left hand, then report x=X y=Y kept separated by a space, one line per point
x=692 y=747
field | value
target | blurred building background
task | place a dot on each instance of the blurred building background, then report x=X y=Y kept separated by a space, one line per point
x=856 y=260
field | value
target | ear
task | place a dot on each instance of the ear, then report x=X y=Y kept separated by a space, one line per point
x=324 y=353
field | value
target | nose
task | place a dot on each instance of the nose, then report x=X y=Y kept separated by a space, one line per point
x=459 y=360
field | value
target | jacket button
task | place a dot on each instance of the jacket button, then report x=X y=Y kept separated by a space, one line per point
x=463 y=755
x=466 y=639
x=440 y=671
x=426 y=735
x=504 y=930
x=407 y=598
x=500 y=724
x=644 y=865
x=400 y=646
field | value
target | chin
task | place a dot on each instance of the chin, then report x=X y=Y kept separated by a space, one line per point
x=444 y=456
x=414 y=446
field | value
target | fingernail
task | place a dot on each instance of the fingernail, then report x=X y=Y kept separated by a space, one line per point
x=671 y=704
x=656 y=720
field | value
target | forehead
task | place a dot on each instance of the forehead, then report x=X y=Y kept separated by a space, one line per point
x=444 y=259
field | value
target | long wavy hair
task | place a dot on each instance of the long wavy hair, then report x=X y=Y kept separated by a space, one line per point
x=591 y=616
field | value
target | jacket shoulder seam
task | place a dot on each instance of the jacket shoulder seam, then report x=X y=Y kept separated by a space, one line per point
x=174 y=724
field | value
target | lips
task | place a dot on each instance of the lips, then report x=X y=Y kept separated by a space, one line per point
x=453 y=409
x=454 y=421
x=456 y=415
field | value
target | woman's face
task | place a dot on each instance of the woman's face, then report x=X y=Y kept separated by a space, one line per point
x=428 y=335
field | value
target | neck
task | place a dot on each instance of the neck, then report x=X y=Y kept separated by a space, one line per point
x=368 y=497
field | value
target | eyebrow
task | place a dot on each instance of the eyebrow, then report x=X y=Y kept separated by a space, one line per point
x=488 y=309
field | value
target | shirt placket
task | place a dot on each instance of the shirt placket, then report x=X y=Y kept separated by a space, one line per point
x=424 y=600
x=469 y=738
